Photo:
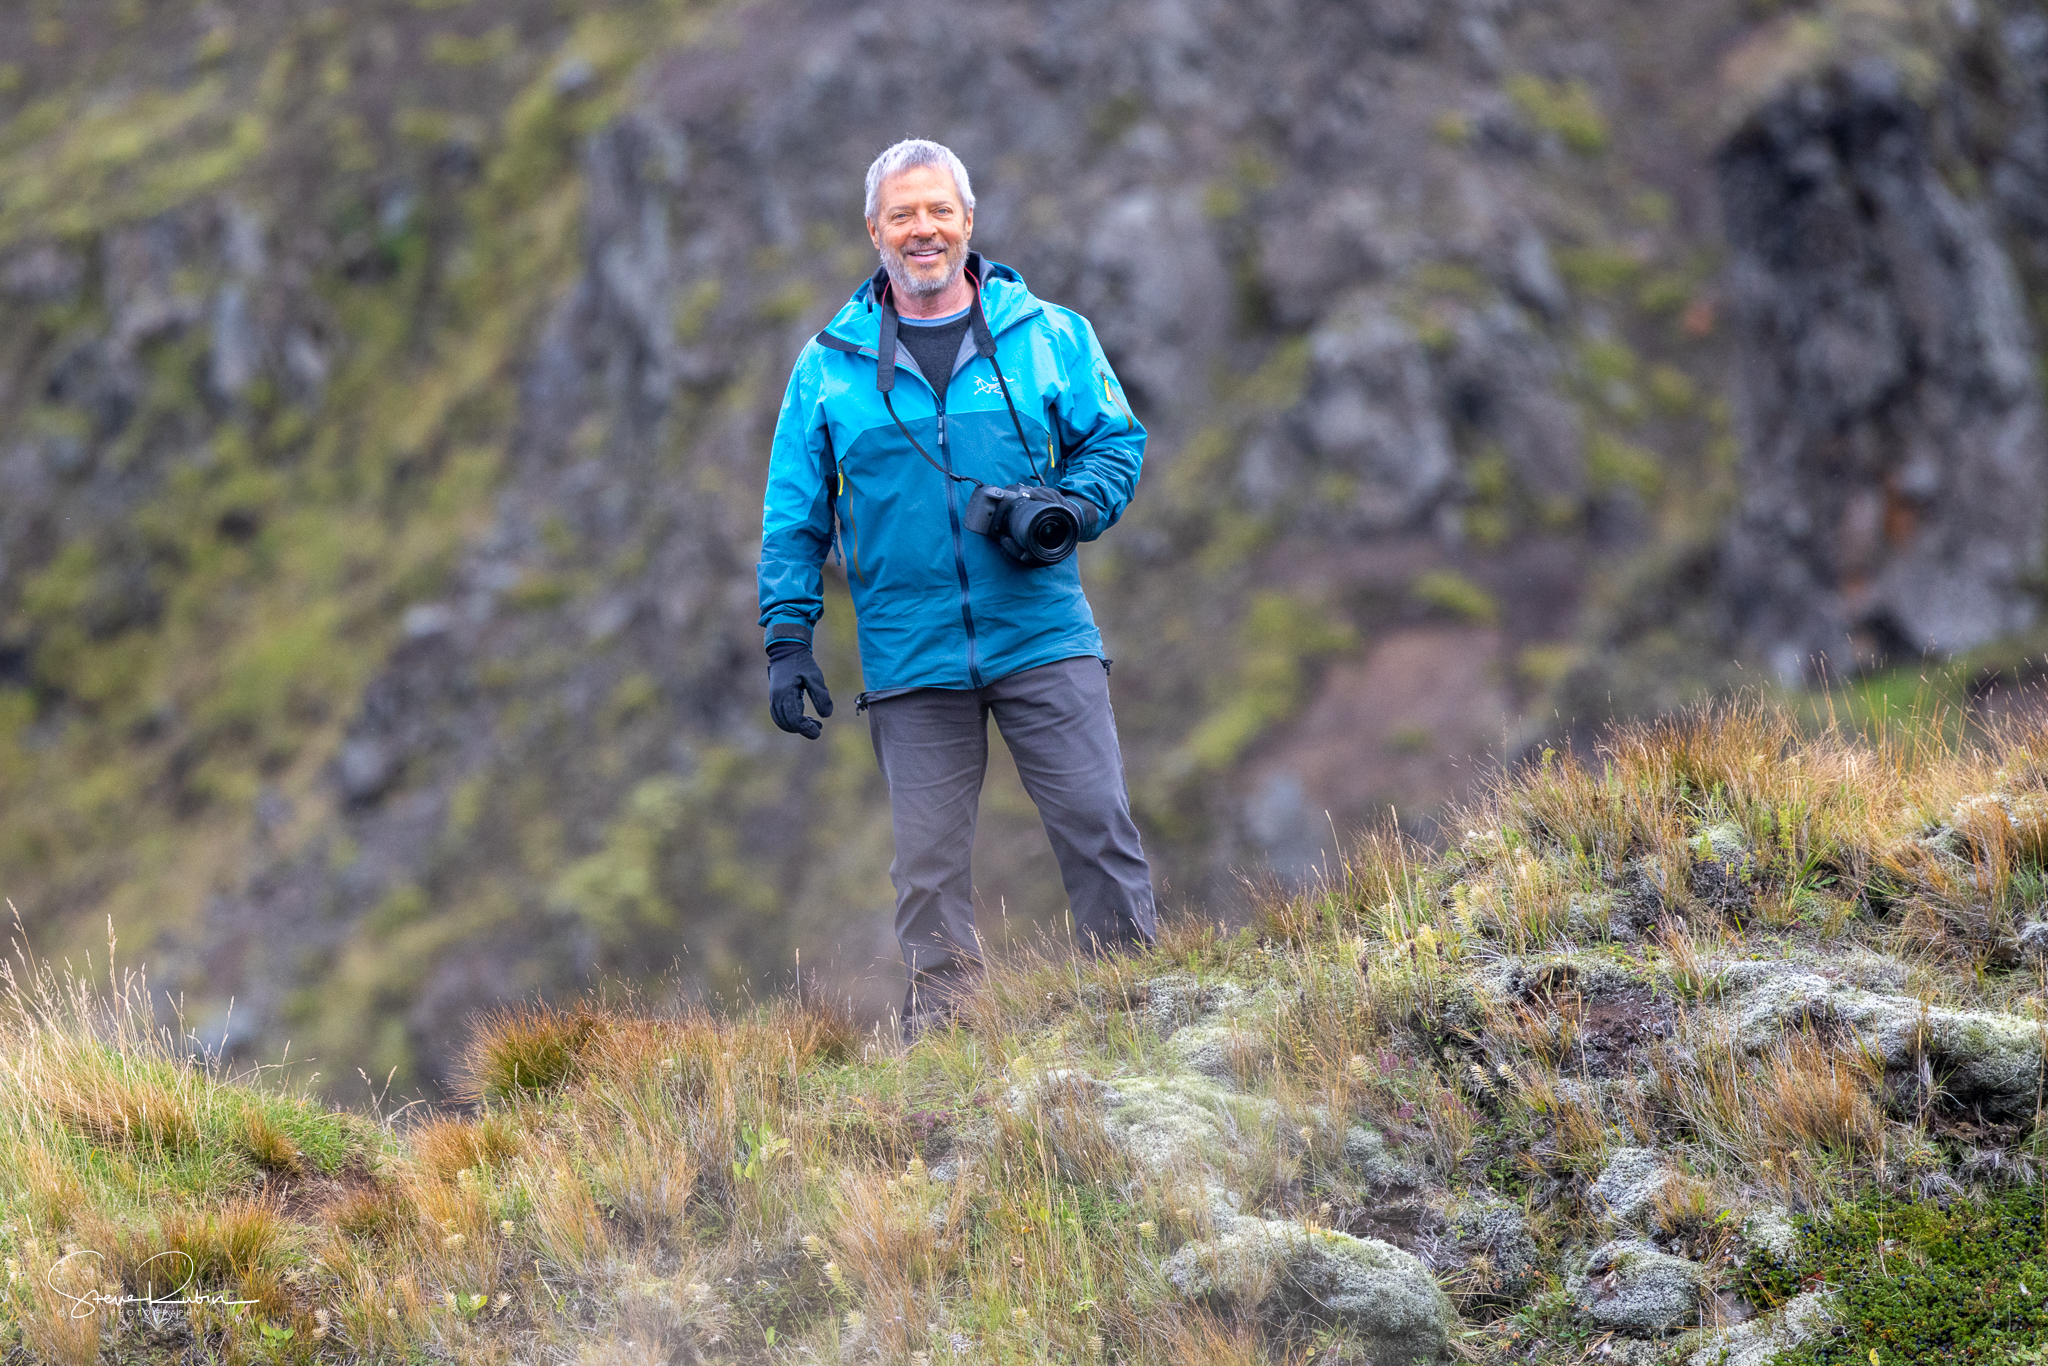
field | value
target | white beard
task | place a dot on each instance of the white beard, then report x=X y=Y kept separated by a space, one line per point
x=905 y=283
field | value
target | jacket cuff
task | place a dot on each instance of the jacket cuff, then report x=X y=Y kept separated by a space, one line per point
x=789 y=630
x=1091 y=516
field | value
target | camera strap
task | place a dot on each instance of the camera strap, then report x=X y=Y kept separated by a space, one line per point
x=885 y=380
x=984 y=346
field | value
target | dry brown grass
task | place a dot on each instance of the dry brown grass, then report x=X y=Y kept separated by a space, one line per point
x=627 y=1183
x=444 y=1147
x=899 y=1237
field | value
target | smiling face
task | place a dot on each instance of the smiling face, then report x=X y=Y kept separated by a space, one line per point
x=921 y=229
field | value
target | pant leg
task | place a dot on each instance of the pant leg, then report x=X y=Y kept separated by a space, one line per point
x=1057 y=722
x=932 y=746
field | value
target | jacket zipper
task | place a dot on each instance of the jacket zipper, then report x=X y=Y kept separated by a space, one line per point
x=959 y=549
x=845 y=511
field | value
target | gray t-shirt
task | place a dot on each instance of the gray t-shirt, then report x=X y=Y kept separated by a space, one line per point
x=935 y=343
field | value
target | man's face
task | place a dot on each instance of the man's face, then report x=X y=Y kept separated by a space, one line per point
x=921 y=229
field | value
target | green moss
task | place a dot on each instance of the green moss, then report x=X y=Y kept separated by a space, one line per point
x=694 y=307
x=1278 y=383
x=1916 y=1282
x=1612 y=463
x=1606 y=360
x=455 y=49
x=1279 y=637
x=1598 y=269
x=1449 y=592
x=1450 y=279
x=1672 y=390
x=1566 y=108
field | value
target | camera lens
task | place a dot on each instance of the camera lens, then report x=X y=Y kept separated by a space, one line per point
x=1050 y=531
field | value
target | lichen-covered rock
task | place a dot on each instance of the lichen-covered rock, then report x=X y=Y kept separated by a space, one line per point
x=1760 y=1340
x=1629 y=1286
x=1220 y=1052
x=1989 y=1060
x=1367 y=1153
x=1726 y=841
x=1174 y=999
x=1771 y=1230
x=1627 y=1187
x=1489 y=1239
x=1182 y=1121
x=1280 y=1269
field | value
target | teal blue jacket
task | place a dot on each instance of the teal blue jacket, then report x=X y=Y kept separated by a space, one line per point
x=937 y=605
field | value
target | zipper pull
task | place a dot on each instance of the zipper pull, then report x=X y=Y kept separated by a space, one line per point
x=942 y=426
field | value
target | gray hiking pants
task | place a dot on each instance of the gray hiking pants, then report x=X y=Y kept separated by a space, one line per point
x=932 y=745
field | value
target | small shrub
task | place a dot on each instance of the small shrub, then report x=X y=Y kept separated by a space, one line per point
x=1917 y=1282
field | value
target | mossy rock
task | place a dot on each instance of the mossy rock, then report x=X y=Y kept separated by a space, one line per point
x=1629 y=1286
x=1284 y=1272
x=1627 y=1187
x=1986 y=1059
x=1489 y=1239
x=1758 y=1342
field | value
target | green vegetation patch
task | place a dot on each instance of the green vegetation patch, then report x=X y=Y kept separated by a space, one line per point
x=1917 y=1282
x=1566 y=108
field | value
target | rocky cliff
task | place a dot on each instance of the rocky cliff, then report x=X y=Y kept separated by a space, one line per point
x=391 y=388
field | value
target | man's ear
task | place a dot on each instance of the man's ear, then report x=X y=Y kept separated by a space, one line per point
x=874 y=234
x=966 y=224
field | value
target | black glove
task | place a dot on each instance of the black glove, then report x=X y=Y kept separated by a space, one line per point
x=791 y=673
x=1085 y=510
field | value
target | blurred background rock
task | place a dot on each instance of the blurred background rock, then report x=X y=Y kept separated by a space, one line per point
x=387 y=388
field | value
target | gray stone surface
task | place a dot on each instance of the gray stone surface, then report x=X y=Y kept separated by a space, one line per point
x=1629 y=1286
x=1895 y=459
x=1280 y=1269
x=1759 y=1341
x=1627 y=1187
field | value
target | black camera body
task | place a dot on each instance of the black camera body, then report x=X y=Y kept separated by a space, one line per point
x=1032 y=525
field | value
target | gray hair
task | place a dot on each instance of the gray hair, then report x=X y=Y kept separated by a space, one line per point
x=912 y=152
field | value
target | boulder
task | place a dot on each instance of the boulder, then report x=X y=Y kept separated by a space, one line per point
x=1629 y=1286
x=1282 y=1270
x=1489 y=1239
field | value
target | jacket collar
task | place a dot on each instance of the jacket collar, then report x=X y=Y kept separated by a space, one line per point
x=1005 y=300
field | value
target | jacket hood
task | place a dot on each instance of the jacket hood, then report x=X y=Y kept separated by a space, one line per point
x=1005 y=299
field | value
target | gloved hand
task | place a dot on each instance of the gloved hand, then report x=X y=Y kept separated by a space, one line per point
x=792 y=673
x=1085 y=510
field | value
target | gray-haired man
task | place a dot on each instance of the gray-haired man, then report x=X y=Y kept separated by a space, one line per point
x=955 y=434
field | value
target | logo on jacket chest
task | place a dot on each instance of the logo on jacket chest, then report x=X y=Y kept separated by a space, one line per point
x=986 y=388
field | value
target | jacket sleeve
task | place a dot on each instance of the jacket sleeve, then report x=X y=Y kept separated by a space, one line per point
x=796 y=514
x=1102 y=444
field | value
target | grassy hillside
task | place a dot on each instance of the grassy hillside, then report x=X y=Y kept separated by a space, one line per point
x=1723 y=1040
x=388 y=388
x=205 y=567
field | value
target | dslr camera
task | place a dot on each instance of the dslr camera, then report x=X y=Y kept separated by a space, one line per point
x=1032 y=525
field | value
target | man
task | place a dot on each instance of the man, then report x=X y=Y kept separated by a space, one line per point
x=943 y=374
